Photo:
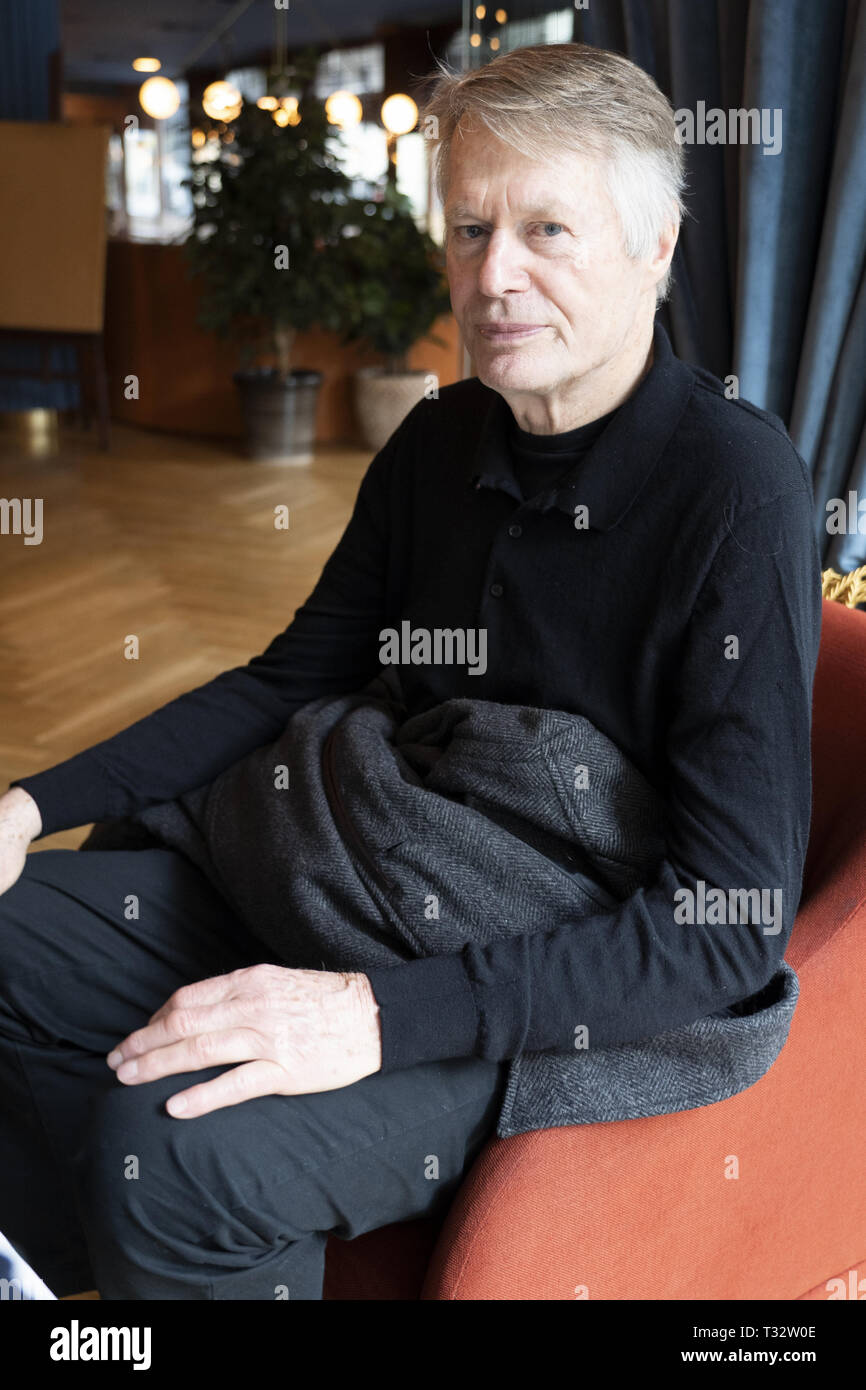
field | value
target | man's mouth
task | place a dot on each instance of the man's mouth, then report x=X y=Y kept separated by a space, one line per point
x=509 y=332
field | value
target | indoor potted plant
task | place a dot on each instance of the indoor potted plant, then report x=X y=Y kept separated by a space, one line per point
x=393 y=288
x=268 y=212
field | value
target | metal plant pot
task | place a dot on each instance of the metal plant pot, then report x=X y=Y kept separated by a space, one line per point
x=383 y=399
x=279 y=414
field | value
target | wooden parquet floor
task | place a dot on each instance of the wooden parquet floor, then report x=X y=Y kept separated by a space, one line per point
x=167 y=538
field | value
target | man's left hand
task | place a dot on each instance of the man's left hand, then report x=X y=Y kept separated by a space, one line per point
x=296 y=1031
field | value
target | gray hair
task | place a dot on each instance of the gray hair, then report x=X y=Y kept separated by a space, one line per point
x=547 y=97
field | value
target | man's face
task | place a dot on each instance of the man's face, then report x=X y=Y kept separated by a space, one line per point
x=537 y=248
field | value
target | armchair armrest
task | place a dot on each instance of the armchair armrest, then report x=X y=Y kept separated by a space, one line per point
x=758 y=1196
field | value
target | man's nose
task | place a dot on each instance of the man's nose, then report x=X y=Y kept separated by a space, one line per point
x=502 y=266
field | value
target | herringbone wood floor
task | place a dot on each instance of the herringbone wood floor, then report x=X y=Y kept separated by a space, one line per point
x=167 y=538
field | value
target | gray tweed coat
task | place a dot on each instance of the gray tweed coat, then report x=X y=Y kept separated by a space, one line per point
x=332 y=842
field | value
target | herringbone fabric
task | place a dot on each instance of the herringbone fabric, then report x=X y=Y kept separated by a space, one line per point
x=362 y=838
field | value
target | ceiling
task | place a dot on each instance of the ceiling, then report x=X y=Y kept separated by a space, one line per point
x=100 y=38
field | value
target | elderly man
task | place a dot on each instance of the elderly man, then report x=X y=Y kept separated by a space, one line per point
x=185 y=1114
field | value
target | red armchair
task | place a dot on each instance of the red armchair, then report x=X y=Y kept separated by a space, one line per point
x=652 y=1208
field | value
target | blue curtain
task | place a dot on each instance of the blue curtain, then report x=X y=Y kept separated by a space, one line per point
x=770 y=269
x=29 y=53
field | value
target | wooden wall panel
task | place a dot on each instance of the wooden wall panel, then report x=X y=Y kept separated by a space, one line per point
x=52 y=240
x=185 y=374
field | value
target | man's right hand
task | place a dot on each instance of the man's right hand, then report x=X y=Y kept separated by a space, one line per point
x=20 y=822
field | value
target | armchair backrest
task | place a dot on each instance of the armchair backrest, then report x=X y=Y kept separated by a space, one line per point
x=838 y=830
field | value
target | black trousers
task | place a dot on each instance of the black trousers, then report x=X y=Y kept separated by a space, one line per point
x=101 y=1188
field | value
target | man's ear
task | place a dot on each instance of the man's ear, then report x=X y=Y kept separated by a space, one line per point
x=664 y=251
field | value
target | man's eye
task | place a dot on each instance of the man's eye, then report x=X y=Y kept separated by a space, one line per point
x=467 y=230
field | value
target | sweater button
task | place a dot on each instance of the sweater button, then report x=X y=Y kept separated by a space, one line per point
x=497 y=590
x=515 y=530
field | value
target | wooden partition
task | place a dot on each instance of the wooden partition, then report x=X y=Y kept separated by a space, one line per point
x=52 y=238
x=185 y=374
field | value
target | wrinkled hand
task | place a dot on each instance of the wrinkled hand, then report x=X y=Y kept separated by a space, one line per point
x=296 y=1031
x=20 y=822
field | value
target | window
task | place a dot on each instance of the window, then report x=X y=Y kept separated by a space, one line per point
x=115 y=197
x=252 y=83
x=141 y=157
x=174 y=149
x=362 y=151
x=554 y=27
x=360 y=70
x=146 y=178
x=412 y=173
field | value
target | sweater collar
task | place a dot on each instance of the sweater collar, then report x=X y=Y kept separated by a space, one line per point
x=608 y=478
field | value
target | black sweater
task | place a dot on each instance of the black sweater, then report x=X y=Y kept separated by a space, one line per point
x=667 y=588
